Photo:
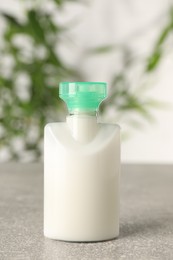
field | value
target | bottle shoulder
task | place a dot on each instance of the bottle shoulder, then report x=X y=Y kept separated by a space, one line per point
x=55 y=124
x=62 y=124
x=115 y=126
x=61 y=132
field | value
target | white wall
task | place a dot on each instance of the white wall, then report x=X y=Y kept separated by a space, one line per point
x=154 y=143
x=102 y=22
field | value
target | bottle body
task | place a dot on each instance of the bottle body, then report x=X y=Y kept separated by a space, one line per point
x=81 y=180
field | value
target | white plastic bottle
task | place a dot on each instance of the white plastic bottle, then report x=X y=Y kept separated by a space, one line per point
x=81 y=169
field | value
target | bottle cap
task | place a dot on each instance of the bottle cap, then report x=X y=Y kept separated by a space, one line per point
x=82 y=96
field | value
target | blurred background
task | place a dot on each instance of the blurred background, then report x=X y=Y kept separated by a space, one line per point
x=128 y=44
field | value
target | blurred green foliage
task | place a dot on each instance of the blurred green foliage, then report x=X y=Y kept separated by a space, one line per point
x=159 y=45
x=39 y=68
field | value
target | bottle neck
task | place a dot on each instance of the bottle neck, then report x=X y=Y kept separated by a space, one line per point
x=83 y=126
x=83 y=113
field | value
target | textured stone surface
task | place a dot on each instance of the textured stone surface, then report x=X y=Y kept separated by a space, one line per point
x=146 y=223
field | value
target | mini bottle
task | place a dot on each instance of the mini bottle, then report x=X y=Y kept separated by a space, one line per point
x=81 y=169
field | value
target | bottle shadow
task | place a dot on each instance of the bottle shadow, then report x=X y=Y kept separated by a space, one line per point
x=145 y=226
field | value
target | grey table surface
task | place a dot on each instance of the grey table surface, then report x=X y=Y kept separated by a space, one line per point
x=146 y=219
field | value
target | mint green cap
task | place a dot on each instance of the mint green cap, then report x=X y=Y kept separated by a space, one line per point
x=83 y=96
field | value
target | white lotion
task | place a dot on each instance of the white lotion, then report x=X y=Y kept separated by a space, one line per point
x=81 y=178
